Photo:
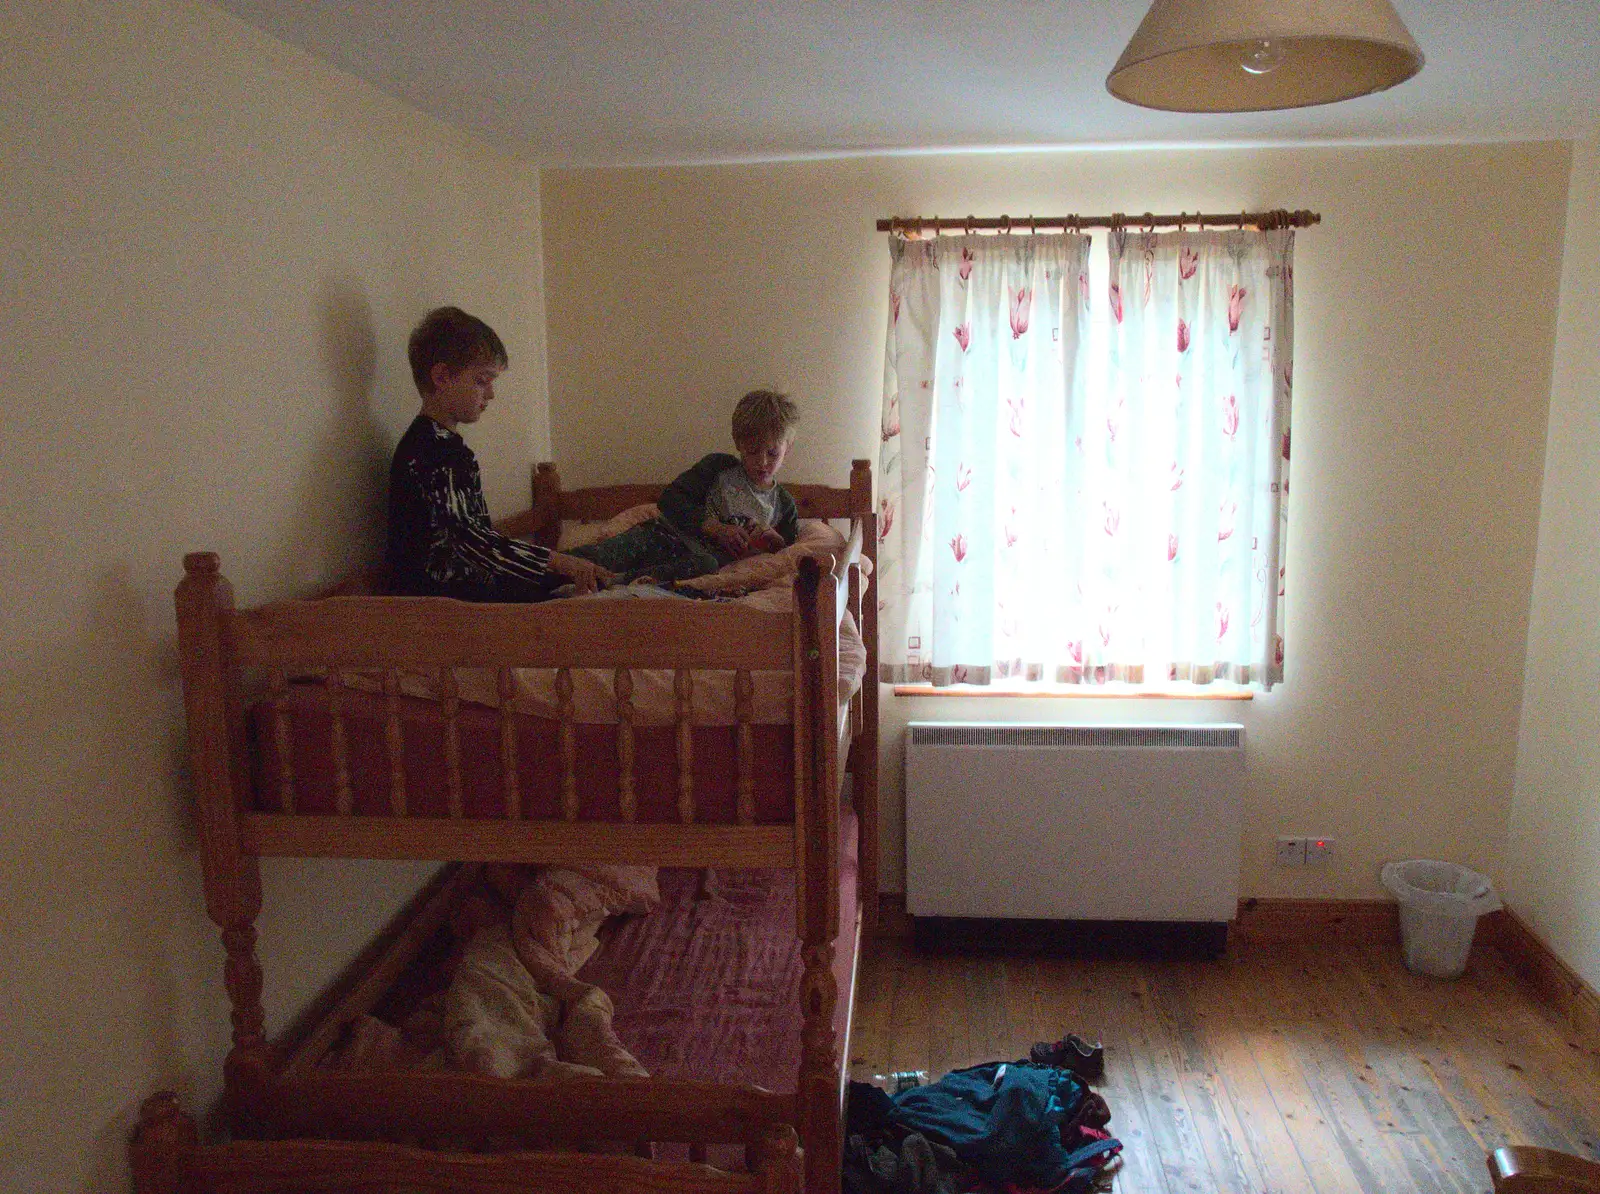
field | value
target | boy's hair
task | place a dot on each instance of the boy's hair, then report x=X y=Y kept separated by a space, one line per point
x=764 y=415
x=449 y=336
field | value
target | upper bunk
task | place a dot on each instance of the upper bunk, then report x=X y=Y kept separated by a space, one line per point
x=685 y=733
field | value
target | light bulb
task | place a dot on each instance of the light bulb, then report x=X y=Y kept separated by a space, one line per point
x=1261 y=57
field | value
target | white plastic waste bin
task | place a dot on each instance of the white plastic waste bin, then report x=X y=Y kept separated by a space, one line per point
x=1440 y=903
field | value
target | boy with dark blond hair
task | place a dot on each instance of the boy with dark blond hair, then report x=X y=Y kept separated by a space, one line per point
x=723 y=509
x=441 y=543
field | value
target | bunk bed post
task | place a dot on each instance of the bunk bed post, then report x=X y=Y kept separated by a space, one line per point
x=216 y=761
x=162 y=1146
x=546 y=505
x=817 y=906
x=864 y=750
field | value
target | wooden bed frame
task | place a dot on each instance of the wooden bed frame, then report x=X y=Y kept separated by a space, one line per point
x=299 y=1127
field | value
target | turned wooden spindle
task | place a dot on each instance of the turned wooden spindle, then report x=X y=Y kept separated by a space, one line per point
x=864 y=752
x=626 y=796
x=858 y=702
x=278 y=687
x=343 y=798
x=683 y=691
x=546 y=505
x=394 y=742
x=508 y=745
x=232 y=877
x=818 y=1093
x=744 y=712
x=569 y=745
x=450 y=690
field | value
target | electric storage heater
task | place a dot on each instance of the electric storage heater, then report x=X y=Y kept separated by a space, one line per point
x=1122 y=832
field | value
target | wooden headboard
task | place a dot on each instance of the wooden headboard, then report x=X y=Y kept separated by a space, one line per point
x=552 y=505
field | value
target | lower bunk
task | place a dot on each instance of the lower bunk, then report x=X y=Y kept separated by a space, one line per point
x=708 y=989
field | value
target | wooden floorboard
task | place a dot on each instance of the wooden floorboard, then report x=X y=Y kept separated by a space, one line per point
x=1281 y=1067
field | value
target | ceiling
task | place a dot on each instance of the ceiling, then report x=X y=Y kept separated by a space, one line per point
x=615 y=82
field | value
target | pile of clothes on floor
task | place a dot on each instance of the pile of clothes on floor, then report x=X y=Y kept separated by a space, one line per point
x=1005 y=1127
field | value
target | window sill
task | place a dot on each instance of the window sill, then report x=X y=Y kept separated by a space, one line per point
x=1085 y=692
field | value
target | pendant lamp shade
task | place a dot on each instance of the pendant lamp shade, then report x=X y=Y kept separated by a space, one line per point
x=1262 y=55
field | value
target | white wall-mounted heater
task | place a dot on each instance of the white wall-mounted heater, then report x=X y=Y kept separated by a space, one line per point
x=1119 y=828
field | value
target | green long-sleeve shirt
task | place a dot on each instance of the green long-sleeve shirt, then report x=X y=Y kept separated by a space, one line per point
x=717 y=487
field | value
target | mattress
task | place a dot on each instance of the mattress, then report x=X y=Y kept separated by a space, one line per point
x=706 y=986
x=363 y=715
x=364 y=721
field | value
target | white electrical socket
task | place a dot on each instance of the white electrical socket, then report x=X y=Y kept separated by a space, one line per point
x=1291 y=851
x=1319 y=851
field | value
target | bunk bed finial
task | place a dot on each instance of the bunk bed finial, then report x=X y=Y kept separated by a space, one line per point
x=161 y=1146
x=202 y=563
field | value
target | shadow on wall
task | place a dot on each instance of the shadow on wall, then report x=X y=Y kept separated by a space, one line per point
x=339 y=515
x=104 y=918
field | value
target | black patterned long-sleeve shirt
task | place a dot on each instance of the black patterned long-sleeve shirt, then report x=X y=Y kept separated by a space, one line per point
x=440 y=541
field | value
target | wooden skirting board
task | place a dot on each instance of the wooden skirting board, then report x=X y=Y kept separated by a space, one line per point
x=1373 y=922
x=1537 y=964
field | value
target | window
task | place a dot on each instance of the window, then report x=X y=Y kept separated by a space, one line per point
x=1084 y=465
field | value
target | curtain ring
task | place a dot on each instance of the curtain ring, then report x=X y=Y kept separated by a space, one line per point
x=1005 y=223
x=968 y=229
x=1149 y=222
x=1033 y=226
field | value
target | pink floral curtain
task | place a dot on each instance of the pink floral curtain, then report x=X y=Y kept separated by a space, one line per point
x=1045 y=520
x=982 y=362
x=1181 y=464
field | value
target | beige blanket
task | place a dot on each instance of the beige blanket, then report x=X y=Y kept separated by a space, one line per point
x=514 y=1008
x=764 y=581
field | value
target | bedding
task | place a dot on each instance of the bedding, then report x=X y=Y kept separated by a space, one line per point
x=513 y=1008
x=705 y=985
x=306 y=733
x=654 y=697
x=761 y=582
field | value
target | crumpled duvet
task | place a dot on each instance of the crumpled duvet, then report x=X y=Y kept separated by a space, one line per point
x=513 y=1008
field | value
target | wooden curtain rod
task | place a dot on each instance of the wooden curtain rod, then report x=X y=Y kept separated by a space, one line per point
x=1265 y=220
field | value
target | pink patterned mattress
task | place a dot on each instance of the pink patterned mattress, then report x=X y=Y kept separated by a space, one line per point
x=364 y=717
x=708 y=985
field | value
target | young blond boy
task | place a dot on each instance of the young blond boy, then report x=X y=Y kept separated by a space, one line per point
x=723 y=509
x=441 y=543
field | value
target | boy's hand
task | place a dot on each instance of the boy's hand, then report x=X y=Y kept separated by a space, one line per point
x=585 y=575
x=734 y=540
x=768 y=540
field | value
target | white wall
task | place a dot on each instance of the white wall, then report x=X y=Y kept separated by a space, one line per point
x=1554 y=853
x=1424 y=325
x=212 y=249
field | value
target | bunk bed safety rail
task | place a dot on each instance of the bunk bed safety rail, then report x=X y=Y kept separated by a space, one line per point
x=340 y=638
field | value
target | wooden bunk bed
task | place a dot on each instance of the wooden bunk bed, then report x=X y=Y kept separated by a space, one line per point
x=248 y=676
